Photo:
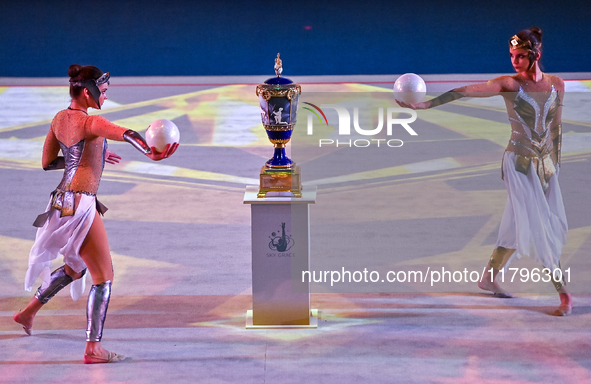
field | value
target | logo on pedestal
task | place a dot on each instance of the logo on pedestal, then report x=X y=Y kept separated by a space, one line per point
x=280 y=243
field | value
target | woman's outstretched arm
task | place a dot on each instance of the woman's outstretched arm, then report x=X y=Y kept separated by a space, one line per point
x=99 y=126
x=490 y=88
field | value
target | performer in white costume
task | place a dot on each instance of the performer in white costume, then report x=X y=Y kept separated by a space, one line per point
x=534 y=221
x=72 y=226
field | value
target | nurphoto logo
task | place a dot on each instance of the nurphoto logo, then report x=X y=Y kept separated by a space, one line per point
x=344 y=120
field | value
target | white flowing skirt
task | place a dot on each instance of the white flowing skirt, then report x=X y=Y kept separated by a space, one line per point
x=534 y=223
x=61 y=236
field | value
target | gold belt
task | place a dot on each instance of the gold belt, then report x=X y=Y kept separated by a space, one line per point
x=65 y=202
x=543 y=165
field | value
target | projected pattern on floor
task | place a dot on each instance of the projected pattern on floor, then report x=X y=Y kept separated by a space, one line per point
x=191 y=234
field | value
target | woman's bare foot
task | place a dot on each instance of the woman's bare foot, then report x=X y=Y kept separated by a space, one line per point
x=495 y=289
x=25 y=321
x=566 y=305
x=96 y=354
x=488 y=283
x=27 y=315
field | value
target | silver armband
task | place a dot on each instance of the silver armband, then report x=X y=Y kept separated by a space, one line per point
x=58 y=163
x=137 y=141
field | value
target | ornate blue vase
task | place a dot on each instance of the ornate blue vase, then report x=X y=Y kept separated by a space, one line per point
x=278 y=98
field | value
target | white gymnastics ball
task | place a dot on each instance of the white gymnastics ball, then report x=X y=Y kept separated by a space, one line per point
x=162 y=132
x=410 y=88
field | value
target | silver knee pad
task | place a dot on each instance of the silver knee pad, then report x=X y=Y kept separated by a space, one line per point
x=96 y=310
x=59 y=279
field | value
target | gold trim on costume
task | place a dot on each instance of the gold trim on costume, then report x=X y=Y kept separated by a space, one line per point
x=558 y=283
x=500 y=257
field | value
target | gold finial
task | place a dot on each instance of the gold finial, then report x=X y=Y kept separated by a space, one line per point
x=278 y=66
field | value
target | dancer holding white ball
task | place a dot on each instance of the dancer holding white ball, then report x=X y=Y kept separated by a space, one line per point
x=161 y=133
x=72 y=225
x=534 y=222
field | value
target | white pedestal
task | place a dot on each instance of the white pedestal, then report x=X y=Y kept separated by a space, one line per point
x=280 y=252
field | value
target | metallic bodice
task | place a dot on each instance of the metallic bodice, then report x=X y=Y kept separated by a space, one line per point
x=534 y=121
x=531 y=136
x=72 y=157
x=63 y=196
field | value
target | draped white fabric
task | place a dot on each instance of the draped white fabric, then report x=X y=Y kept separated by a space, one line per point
x=61 y=236
x=534 y=223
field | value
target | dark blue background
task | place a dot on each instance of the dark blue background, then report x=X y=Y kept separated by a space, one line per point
x=146 y=38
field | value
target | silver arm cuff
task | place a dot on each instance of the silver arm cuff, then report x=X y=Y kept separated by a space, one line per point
x=58 y=163
x=137 y=141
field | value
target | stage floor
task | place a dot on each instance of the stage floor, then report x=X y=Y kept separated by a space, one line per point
x=180 y=241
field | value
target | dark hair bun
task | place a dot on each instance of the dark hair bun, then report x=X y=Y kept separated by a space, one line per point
x=538 y=32
x=74 y=70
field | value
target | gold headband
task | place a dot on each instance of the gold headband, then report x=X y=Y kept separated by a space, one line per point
x=515 y=43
